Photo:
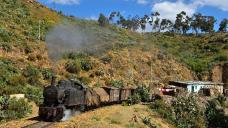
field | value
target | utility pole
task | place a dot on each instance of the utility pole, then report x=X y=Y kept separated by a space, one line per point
x=39 y=30
x=151 y=69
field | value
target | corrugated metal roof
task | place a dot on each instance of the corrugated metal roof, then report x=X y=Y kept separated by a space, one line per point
x=197 y=82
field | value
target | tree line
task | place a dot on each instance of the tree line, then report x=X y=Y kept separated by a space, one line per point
x=197 y=23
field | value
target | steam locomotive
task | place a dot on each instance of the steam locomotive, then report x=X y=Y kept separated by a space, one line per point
x=73 y=95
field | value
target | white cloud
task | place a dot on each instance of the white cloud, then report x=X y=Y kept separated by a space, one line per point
x=221 y=4
x=143 y=2
x=169 y=10
x=65 y=2
x=92 y=18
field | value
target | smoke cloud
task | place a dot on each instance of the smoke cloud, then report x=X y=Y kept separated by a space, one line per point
x=68 y=113
x=66 y=37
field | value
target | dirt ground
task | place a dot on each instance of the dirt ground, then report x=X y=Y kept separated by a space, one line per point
x=116 y=116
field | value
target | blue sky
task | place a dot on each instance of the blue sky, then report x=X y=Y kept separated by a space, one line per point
x=90 y=9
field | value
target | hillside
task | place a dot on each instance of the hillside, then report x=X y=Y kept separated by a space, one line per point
x=37 y=43
x=106 y=55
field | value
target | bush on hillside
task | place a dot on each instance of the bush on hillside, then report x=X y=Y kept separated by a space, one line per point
x=164 y=109
x=74 y=55
x=86 y=64
x=9 y=74
x=5 y=36
x=184 y=112
x=33 y=75
x=221 y=58
x=13 y=108
x=85 y=80
x=106 y=59
x=143 y=92
x=214 y=113
x=34 y=94
x=47 y=73
x=6 y=46
x=226 y=46
x=116 y=83
x=73 y=66
x=134 y=99
x=187 y=112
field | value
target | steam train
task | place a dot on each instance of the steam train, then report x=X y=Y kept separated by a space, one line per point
x=70 y=94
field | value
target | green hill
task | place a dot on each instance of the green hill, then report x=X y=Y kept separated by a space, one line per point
x=107 y=55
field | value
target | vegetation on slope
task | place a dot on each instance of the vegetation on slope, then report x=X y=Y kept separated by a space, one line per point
x=119 y=57
x=199 y=53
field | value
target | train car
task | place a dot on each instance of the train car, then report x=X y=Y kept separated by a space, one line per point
x=103 y=95
x=92 y=100
x=125 y=93
x=114 y=94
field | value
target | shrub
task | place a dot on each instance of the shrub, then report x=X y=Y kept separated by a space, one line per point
x=6 y=47
x=18 y=80
x=5 y=36
x=86 y=64
x=28 y=49
x=34 y=94
x=214 y=113
x=33 y=75
x=85 y=80
x=187 y=113
x=74 y=55
x=97 y=84
x=221 y=58
x=99 y=72
x=47 y=74
x=106 y=59
x=134 y=99
x=73 y=66
x=13 y=108
x=147 y=121
x=8 y=74
x=226 y=46
x=116 y=83
x=143 y=92
x=164 y=109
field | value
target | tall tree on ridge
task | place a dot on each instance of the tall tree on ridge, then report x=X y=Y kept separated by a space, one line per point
x=103 y=21
x=143 y=21
x=196 y=22
x=182 y=22
x=207 y=25
x=223 y=25
x=156 y=22
x=166 y=24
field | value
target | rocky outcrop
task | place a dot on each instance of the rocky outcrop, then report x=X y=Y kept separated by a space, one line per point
x=219 y=73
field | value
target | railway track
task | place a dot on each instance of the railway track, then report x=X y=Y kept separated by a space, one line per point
x=39 y=124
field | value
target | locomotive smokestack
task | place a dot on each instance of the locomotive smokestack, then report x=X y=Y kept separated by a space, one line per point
x=53 y=80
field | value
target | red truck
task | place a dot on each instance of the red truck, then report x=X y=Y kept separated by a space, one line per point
x=169 y=90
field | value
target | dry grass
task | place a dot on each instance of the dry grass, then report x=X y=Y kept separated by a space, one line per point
x=116 y=116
